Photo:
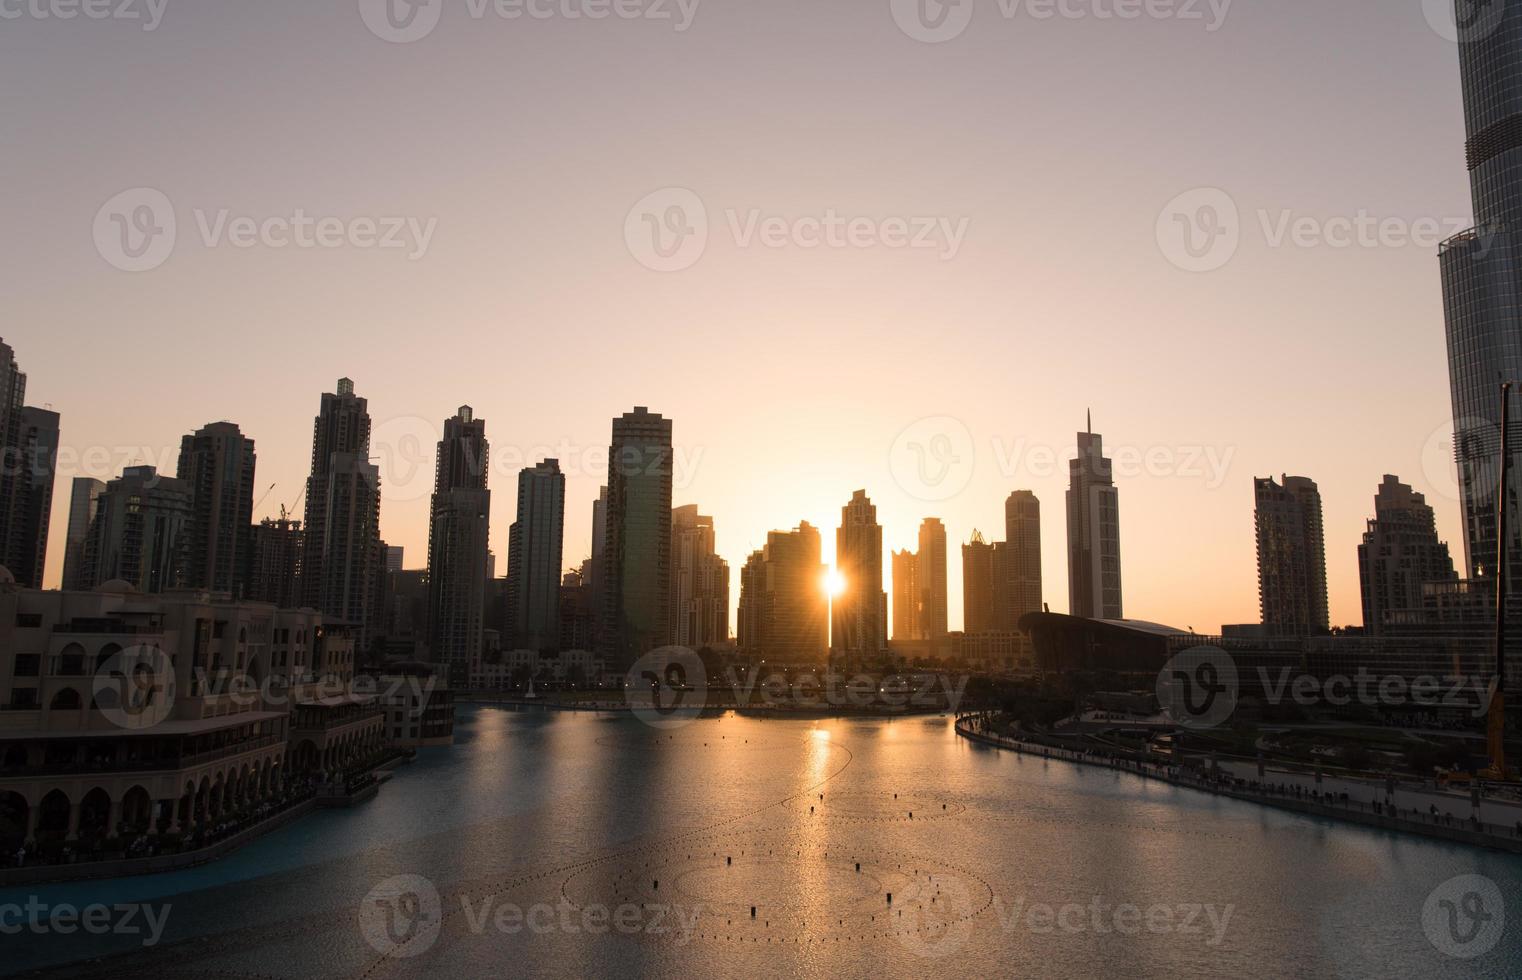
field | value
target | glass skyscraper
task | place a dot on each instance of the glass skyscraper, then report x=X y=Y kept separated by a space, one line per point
x=1481 y=272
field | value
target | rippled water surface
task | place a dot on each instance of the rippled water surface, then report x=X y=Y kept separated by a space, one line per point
x=581 y=845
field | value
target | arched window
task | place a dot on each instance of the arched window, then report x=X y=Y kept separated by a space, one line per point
x=67 y=699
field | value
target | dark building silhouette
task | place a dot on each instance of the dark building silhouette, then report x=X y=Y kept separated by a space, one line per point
x=534 y=552
x=458 y=543
x=140 y=530
x=859 y=613
x=340 y=565
x=28 y=461
x=84 y=496
x=1291 y=557
x=784 y=609
x=275 y=568
x=1094 y=584
x=1399 y=556
x=635 y=567
x=217 y=463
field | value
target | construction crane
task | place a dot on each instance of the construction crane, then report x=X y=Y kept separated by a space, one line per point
x=287 y=513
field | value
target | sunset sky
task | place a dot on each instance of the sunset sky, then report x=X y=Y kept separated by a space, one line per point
x=1050 y=148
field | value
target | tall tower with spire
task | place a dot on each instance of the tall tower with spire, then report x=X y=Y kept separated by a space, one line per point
x=1093 y=531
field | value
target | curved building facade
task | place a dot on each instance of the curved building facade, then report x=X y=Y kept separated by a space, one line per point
x=1481 y=273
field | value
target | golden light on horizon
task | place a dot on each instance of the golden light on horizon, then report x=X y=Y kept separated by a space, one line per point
x=834 y=582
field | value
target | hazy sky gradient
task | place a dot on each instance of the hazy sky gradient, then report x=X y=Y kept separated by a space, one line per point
x=790 y=371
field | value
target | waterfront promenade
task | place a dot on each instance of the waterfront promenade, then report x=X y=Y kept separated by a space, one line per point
x=1445 y=816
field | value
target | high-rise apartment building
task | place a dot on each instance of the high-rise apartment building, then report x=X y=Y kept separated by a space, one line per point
x=140 y=531
x=699 y=582
x=83 y=497
x=340 y=567
x=931 y=573
x=979 y=593
x=217 y=463
x=28 y=461
x=458 y=543
x=275 y=566
x=1094 y=590
x=859 y=612
x=1291 y=556
x=907 y=599
x=534 y=555
x=1020 y=560
x=784 y=607
x=1400 y=553
x=635 y=570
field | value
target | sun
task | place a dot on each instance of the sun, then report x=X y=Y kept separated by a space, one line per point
x=834 y=582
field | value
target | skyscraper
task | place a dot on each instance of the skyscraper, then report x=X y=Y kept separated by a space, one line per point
x=979 y=591
x=860 y=608
x=534 y=553
x=784 y=609
x=699 y=582
x=28 y=459
x=907 y=623
x=1481 y=269
x=217 y=463
x=1400 y=552
x=275 y=565
x=931 y=573
x=1291 y=556
x=36 y=462
x=340 y=572
x=1093 y=533
x=396 y=558
x=142 y=523
x=1021 y=559
x=458 y=543
x=635 y=570
x=83 y=497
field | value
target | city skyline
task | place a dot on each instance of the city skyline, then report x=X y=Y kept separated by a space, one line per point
x=270 y=505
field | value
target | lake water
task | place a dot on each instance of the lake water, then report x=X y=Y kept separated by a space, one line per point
x=568 y=844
